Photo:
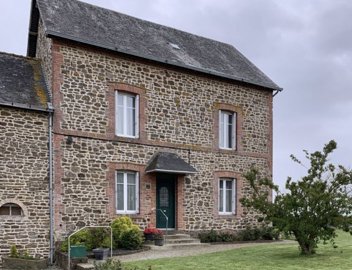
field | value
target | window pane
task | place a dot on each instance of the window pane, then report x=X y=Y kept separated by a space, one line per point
x=120 y=121
x=131 y=197
x=131 y=100
x=120 y=199
x=4 y=211
x=230 y=131
x=229 y=200
x=16 y=211
x=221 y=196
x=131 y=178
x=229 y=184
x=131 y=116
x=221 y=131
x=120 y=178
x=120 y=99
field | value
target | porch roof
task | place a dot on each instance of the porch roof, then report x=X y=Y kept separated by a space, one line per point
x=169 y=163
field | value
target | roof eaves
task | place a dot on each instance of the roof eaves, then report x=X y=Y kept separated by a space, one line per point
x=51 y=33
x=25 y=106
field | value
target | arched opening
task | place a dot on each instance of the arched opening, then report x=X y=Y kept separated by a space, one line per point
x=11 y=209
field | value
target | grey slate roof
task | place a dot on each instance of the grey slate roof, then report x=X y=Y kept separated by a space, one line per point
x=169 y=163
x=111 y=30
x=22 y=82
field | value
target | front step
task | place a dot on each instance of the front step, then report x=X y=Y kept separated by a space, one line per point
x=182 y=240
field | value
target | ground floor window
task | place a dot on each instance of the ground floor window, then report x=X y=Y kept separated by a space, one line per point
x=127 y=192
x=11 y=209
x=227 y=196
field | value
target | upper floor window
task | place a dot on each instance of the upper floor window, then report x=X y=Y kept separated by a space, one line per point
x=227 y=129
x=127 y=123
x=11 y=209
x=127 y=186
x=226 y=197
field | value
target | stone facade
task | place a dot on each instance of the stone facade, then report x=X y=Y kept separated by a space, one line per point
x=179 y=114
x=24 y=180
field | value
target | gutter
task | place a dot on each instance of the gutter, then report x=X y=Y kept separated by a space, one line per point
x=51 y=205
x=277 y=91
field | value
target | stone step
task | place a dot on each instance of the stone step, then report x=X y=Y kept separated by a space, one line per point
x=182 y=240
x=85 y=266
x=177 y=236
x=186 y=245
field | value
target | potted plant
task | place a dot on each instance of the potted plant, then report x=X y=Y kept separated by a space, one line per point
x=149 y=233
x=23 y=261
x=101 y=253
x=159 y=238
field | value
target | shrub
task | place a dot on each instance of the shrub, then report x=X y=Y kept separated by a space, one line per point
x=14 y=252
x=249 y=234
x=208 y=237
x=91 y=238
x=131 y=239
x=120 y=226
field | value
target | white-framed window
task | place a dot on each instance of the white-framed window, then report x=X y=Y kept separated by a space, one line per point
x=127 y=114
x=227 y=129
x=11 y=209
x=227 y=196
x=127 y=192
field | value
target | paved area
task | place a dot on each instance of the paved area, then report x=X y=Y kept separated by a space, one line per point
x=165 y=251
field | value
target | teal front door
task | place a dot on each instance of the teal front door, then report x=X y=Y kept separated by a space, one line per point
x=165 y=200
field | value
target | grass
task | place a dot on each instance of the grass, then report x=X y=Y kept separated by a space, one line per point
x=265 y=257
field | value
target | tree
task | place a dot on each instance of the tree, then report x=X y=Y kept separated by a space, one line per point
x=313 y=208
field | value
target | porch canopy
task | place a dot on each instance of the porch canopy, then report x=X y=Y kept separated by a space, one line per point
x=169 y=163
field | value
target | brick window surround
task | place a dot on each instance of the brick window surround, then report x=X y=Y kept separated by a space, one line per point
x=238 y=191
x=239 y=120
x=145 y=188
x=122 y=87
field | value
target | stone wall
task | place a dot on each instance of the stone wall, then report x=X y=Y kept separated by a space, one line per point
x=179 y=116
x=24 y=180
x=44 y=53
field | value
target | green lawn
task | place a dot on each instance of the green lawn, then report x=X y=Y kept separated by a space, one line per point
x=278 y=256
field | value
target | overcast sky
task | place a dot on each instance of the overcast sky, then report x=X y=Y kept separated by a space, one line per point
x=305 y=46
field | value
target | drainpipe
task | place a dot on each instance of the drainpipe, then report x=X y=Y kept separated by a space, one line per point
x=51 y=206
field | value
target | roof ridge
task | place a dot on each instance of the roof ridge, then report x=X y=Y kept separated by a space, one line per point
x=155 y=23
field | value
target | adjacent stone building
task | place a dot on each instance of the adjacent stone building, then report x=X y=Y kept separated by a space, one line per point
x=148 y=120
x=24 y=112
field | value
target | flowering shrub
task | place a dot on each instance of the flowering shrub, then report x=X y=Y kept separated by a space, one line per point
x=153 y=231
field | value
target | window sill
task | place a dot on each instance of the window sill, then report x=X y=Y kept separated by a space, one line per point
x=127 y=139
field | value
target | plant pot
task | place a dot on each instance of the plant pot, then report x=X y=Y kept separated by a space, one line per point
x=101 y=253
x=159 y=242
x=20 y=264
x=149 y=236
x=78 y=251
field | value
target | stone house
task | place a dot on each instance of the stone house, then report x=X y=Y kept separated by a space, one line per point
x=147 y=121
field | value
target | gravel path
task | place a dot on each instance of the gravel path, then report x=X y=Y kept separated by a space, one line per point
x=165 y=252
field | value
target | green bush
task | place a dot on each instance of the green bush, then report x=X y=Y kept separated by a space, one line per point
x=208 y=237
x=80 y=238
x=120 y=226
x=14 y=252
x=249 y=234
x=131 y=239
x=90 y=238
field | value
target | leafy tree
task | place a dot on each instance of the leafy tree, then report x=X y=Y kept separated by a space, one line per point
x=313 y=208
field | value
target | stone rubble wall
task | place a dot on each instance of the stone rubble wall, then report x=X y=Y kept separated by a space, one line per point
x=24 y=180
x=179 y=117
